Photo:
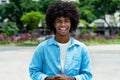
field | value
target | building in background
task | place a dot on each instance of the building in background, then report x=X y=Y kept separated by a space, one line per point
x=35 y=0
x=2 y=2
x=110 y=24
x=71 y=0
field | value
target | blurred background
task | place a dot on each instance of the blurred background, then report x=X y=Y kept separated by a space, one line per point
x=22 y=28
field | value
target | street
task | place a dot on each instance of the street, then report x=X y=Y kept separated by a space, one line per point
x=14 y=62
x=105 y=62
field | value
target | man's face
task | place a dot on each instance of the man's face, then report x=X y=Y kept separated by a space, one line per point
x=62 y=26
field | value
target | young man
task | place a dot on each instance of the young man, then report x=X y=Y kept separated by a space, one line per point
x=61 y=57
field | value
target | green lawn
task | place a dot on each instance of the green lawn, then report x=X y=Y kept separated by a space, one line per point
x=35 y=43
x=101 y=41
x=19 y=43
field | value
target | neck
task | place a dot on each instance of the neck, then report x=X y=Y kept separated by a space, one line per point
x=62 y=39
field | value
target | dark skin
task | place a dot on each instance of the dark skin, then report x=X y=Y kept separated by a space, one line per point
x=60 y=77
x=62 y=39
x=62 y=26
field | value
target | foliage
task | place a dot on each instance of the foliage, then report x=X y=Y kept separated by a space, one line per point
x=85 y=10
x=44 y=4
x=88 y=15
x=10 y=28
x=2 y=10
x=32 y=19
x=101 y=7
x=13 y=12
x=119 y=34
x=84 y=28
x=89 y=9
x=16 y=8
x=97 y=8
x=94 y=27
x=29 y=5
x=83 y=22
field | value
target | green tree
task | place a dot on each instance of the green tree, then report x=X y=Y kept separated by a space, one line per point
x=44 y=4
x=2 y=10
x=10 y=28
x=29 y=5
x=88 y=15
x=101 y=7
x=13 y=12
x=92 y=9
x=32 y=19
x=16 y=8
x=84 y=27
x=85 y=9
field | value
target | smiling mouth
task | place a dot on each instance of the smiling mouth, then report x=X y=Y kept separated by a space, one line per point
x=62 y=29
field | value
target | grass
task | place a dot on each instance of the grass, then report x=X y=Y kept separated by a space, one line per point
x=35 y=43
x=19 y=43
x=101 y=41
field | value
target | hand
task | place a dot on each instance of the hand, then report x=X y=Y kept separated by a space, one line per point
x=60 y=77
x=63 y=77
x=49 y=78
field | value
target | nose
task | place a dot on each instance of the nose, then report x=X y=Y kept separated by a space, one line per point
x=63 y=23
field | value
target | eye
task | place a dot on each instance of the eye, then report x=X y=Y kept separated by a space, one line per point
x=58 y=21
x=67 y=20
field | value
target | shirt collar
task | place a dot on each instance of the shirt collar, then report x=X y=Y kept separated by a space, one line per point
x=74 y=42
x=52 y=41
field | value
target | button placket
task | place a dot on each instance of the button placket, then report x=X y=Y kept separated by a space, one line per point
x=66 y=61
x=59 y=66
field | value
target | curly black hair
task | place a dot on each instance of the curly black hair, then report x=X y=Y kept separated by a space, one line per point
x=62 y=9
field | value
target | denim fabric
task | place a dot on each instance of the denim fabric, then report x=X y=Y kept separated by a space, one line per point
x=46 y=61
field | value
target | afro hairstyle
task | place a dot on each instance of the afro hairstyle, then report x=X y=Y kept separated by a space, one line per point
x=62 y=9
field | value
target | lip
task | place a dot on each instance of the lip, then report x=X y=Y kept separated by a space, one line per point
x=63 y=29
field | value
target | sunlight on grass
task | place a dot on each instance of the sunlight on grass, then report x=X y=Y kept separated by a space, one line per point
x=101 y=41
x=35 y=42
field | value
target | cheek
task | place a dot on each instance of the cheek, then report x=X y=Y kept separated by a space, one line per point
x=55 y=25
x=69 y=26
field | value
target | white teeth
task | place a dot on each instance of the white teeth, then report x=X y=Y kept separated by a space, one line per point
x=63 y=28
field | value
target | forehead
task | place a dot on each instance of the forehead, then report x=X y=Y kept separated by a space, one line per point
x=62 y=18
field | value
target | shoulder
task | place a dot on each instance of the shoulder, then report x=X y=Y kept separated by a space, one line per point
x=47 y=42
x=42 y=46
x=79 y=43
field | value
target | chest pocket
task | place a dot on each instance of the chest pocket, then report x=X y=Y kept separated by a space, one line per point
x=76 y=61
x=75 y=65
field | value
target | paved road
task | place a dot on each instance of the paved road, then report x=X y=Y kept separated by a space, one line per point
x=14 y=62
x=105 y=62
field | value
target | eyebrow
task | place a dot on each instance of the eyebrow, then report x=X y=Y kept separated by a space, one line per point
x=64 y=17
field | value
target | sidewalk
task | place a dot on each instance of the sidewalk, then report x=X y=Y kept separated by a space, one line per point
x=14 y=62
x=105 y=62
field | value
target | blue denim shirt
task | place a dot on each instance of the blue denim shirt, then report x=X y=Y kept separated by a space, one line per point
x=46 y=61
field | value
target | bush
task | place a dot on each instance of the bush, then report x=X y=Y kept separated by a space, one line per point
x=32 y=19
x=10 y=28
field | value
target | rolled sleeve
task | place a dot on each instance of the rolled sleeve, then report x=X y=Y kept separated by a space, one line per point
x=78 y=77
x=42 y=77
